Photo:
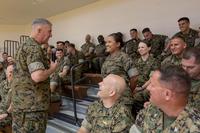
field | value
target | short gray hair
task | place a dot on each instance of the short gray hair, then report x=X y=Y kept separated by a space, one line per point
x=41 y=21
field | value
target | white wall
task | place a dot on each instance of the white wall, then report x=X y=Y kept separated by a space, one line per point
x=107 y=16
x=10 y=32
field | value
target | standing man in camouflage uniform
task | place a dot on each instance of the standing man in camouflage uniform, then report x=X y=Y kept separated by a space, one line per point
x=108 y=115
x=169 y=111
x=177 y=46
x=5 y=95
x=186 y=32
x=131 y=46
x=191 y=63
x=100 y=54
x=30 y=85
x=158 y=42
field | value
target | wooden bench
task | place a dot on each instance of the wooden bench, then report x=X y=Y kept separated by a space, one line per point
x=6 y=129
x=79 y=91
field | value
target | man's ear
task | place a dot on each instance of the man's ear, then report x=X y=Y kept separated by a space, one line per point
x=112 y=92
x=168 y=94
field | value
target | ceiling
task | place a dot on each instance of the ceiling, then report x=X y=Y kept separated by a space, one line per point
x=20 y=12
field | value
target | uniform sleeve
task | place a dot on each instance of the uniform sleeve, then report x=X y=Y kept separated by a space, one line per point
x=66 y=63
x=129 y=67
x=139 y=122
x=87 y=122
x=34 y=59
x=124 y=121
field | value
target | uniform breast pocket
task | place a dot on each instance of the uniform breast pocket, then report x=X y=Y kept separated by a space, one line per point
x=103 y=125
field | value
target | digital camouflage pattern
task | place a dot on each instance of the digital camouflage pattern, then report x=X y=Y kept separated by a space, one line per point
x=2 y=75
x=28 y=96
x=88 y=48
x=63 y=63
x=194 y=96
x=145 y=68
x=151 y=120
x=99 y=119
x=29 y=122
x=197 y=43
x=5 y=94
x=131 y=48
x=120 y=64
x=171 y=60
x=189 y=38
x=158 y=45
x=100 y=56
x=76 y=59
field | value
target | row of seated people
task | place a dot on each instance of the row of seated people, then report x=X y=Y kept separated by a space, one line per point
x=119 y=63
x=170 y=92
x=172 y=106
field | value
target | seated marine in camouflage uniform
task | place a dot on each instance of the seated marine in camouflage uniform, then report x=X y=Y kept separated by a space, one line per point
x=99 y=54
x=197 y=40
x=5 y=102
x=88 y=51
x=191 y=63
x=5 y=61
x=158 y=42
x=60 y=77
x=146 y=63
x=168 y=112
x=108 y=115
x=88 y=48
x=2 y=72
x=75 y=57
x=186 y=32
x=120 y=64
x=177 y=46
x=131 y=45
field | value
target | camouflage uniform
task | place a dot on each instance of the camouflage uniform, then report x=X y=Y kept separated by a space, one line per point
x=30 y=100
x=131 y=48
x=120 y=64
x=2 y=75
x=145 y=68
x=100 y=56
x=63 y=63
x=194 y=96
x=153 y=120
x=197 y=43
x=5 y=94
x=88 y=47
x=99 y=119
x=171 y=60
x=158 y=45
x=189 y=38
x=76 y=59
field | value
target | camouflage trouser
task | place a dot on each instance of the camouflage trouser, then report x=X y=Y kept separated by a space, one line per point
x=29 y=122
